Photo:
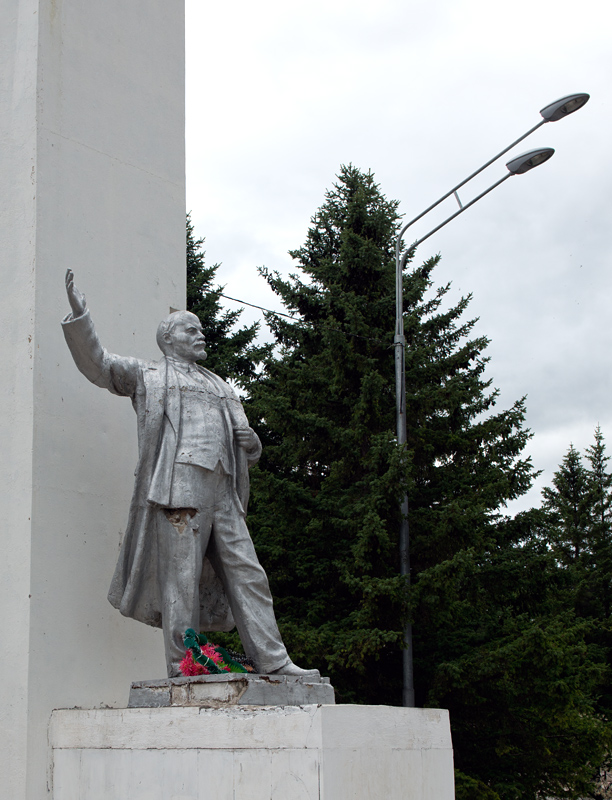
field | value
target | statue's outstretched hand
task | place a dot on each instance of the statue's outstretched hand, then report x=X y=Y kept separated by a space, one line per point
x=77 y=301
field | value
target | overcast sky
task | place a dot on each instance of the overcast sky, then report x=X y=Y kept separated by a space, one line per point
x=423 y=93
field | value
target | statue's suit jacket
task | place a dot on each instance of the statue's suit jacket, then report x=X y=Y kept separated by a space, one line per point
x=153 y=389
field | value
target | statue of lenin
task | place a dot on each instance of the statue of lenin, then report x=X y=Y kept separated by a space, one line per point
x=187 y=553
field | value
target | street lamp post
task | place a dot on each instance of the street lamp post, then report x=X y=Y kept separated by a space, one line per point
x=516 y=166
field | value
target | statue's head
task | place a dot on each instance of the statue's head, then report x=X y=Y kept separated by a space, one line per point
x=180 y=336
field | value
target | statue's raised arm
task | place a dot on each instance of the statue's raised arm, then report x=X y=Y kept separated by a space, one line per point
x=118 y=374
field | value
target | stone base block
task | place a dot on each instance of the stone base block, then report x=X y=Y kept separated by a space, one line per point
x=309 y=752
x=219 y=691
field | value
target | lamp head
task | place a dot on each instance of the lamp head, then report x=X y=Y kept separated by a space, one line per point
x=561 y=108
x=526 y=161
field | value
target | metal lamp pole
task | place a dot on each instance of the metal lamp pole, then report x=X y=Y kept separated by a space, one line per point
x=516 y=166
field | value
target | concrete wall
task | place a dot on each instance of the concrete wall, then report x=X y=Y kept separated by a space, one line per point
x=92 y=148
x=18 y=43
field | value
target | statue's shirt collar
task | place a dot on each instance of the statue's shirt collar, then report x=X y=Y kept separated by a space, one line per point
x=187 y=367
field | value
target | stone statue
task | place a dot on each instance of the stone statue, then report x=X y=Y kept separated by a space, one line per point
x=187 y=559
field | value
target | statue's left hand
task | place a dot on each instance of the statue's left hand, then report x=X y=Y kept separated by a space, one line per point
x=245 y=437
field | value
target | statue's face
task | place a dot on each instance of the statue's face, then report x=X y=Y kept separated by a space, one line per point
x=186 y=340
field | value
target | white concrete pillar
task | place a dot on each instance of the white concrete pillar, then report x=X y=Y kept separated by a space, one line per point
x=92 y=178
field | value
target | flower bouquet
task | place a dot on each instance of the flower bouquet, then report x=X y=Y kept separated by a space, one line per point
x=205 y=658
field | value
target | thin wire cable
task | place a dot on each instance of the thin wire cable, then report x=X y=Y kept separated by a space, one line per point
x=261 y=308
x=299 y=322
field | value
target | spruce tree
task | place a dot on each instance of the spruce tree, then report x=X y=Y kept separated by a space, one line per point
x=232 y=354
x=569 y=502
x=324 y=502
x=325 y=499
x=577 y=527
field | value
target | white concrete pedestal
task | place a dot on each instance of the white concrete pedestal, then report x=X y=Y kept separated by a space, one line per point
x=311 y=752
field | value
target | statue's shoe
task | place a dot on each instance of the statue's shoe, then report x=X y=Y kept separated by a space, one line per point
x=293 y=671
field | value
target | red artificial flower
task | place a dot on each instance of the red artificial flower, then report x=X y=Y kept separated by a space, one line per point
x=189 y=667
x=209 y=650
